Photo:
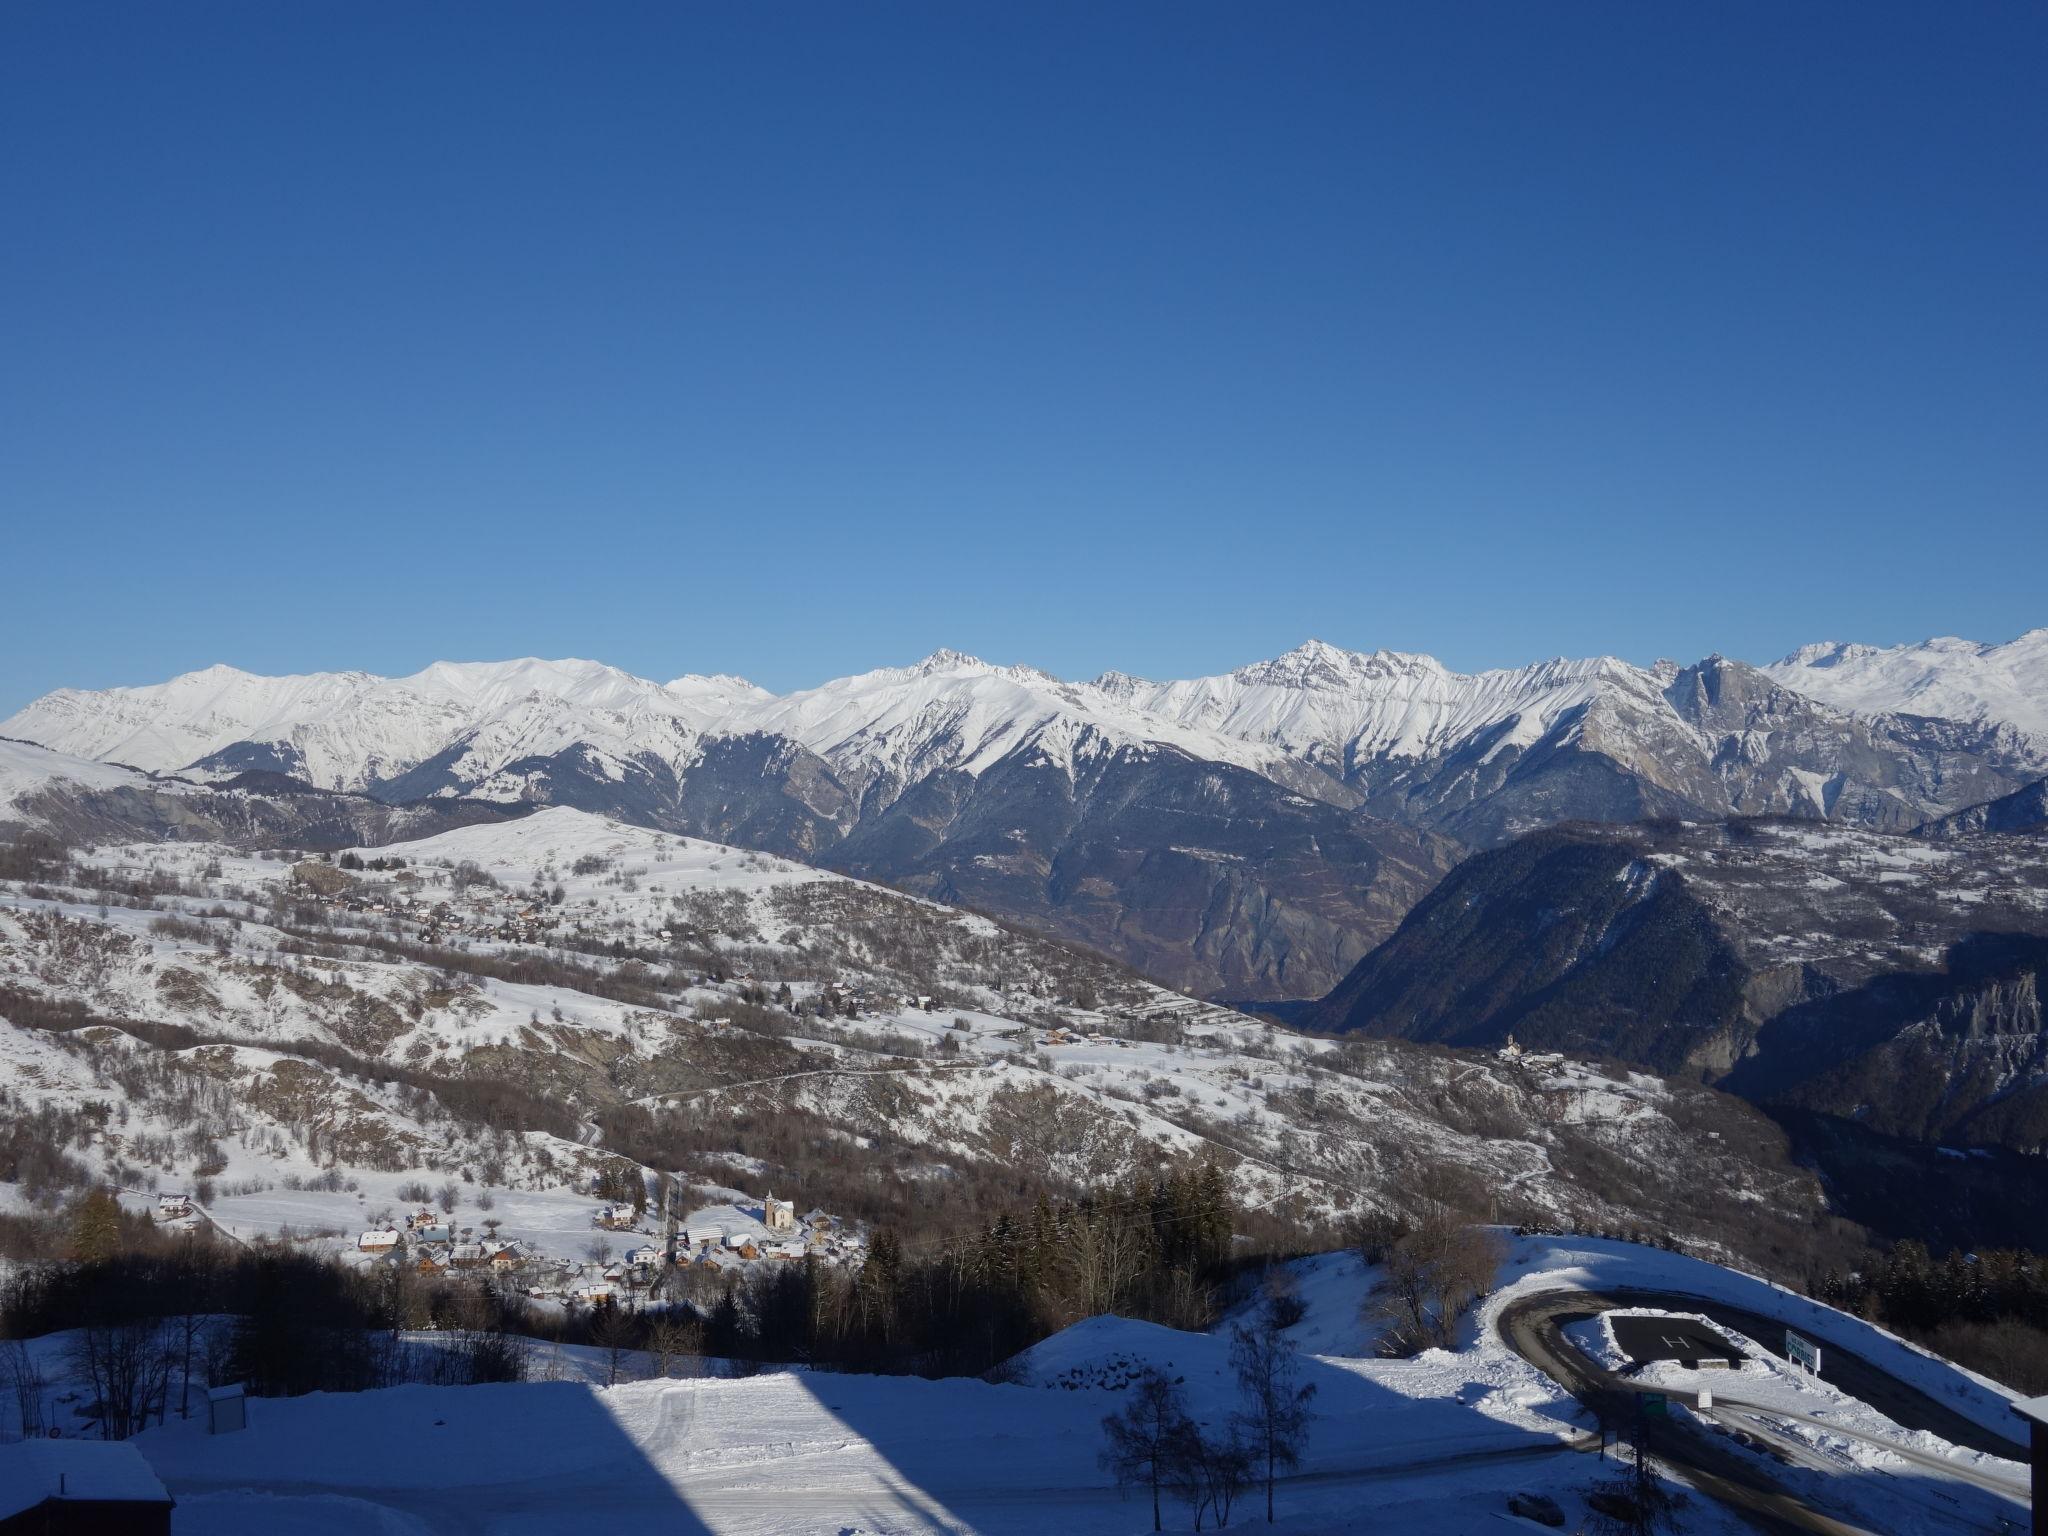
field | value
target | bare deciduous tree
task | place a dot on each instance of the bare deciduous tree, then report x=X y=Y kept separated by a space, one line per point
x=1274 y=1422
x=612 y=1331
x=128 y=1366
x=1434 y=1271
x=1209 y=1472
x=23 y=1375
x=670 y=1337
x=1148 y=1440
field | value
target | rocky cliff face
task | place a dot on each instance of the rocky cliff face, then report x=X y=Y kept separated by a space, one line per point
x=1198 y=873
x=1959 y=1053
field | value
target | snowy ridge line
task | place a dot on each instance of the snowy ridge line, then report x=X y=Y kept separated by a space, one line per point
x=1318 y=704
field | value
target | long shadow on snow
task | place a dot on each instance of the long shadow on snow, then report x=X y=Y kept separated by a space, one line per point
x=527 y=1459
x=962 y=1454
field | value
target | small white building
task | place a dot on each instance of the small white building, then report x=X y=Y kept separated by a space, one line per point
x=382 y=1240
x=227 y=1409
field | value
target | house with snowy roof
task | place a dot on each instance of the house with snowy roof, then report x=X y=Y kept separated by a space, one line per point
x=80 y=1487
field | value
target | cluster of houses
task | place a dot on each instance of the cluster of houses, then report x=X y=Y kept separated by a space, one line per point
x=1514 y=1054
x=479 y=911
x=851 y=999
x=434 y=1247
x=714 y=1239
x=1061 y=1035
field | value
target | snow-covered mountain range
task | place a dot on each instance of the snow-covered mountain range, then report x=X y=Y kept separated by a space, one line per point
x=1252 y=832
x=1336 y=710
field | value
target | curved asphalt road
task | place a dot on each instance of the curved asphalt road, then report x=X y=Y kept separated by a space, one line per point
x=1533 y=1329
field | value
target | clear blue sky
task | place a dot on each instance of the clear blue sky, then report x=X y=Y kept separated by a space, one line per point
x=802 y=338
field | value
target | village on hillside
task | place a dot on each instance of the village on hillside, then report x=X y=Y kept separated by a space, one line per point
x=631 y=1255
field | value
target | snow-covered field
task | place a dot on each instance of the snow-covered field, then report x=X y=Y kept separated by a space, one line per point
x=1434 y=1444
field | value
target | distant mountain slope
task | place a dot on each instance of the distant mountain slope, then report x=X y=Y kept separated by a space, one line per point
x=1887 y=978
x=1207 y=876
x=355 y=731
x=1948 y=678
x=80 y=800
x=2024 y=810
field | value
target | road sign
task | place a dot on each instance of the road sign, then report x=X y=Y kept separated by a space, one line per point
x=1802 y=1352
x=1706 y=1400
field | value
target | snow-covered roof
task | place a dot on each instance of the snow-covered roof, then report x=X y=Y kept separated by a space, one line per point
x=102 y=1470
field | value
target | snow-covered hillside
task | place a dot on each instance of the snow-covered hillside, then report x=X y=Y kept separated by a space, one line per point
x=1983 y=684
x=766 y=1017
x=27 y=770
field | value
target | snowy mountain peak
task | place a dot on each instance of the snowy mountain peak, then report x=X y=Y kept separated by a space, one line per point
x=1316 y=664
x=944 y=660
x=1118 y=685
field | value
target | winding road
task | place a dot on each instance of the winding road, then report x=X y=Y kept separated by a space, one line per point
x=1534 y=1329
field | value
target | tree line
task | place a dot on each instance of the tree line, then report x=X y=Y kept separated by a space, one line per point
x=1987 y=1310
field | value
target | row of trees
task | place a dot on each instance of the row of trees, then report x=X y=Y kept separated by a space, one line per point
x=1987 y=1310
x=1910 y=1288
x=151 y=1314
x=1155 y=1248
